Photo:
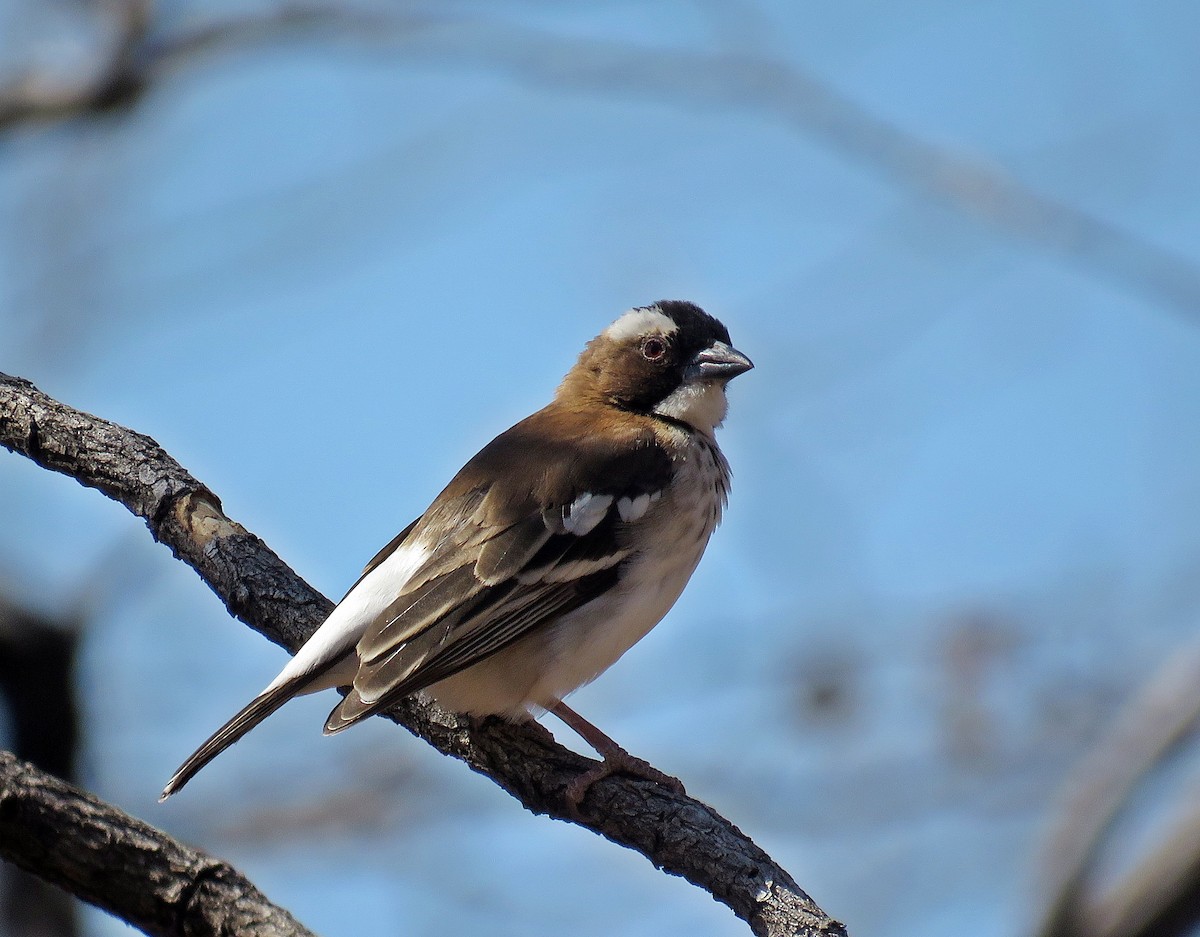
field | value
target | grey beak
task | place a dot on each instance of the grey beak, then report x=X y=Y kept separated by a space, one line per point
x=717 y=362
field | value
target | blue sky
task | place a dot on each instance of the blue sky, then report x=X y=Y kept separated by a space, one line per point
x=322 y=270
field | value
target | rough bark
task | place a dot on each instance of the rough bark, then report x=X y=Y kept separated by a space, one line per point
x=75 y=841
x=675 y=832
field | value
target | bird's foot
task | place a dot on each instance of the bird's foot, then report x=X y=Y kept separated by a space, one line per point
x=617 y=761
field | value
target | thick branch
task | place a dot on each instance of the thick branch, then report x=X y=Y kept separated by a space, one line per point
x=678 y=834
x=121 y=864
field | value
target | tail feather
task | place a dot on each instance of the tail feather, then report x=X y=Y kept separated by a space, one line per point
x=351 y=710
x=250 y=715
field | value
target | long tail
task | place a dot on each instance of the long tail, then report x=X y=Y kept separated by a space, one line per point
x=250 y=715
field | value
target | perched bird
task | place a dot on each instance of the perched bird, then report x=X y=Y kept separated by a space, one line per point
x=550 y=554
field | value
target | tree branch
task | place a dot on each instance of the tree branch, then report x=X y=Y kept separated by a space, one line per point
x=37 y=680
x=106 y=857
x=678 y=834
x=116 y=80
x=1159 y=895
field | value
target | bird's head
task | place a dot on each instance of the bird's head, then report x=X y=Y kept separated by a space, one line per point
x=670 y=360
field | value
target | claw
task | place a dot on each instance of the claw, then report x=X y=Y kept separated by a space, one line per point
x=616 y=761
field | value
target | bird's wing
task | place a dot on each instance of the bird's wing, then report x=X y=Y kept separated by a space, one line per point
x=382 y=555
x=507 y=555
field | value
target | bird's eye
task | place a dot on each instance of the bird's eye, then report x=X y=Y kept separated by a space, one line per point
x=653 y=349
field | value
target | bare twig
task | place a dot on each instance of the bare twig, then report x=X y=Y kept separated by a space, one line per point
x=1150 y=727
x=116 y=79
x=680 y=78
x=678 y=834
x=106 y=857
x=786 y=92
x=1160 y=896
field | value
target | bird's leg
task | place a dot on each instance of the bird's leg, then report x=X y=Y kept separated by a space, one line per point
x=616 y=759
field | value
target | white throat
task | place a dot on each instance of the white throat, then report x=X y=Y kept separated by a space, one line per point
x=702 y=405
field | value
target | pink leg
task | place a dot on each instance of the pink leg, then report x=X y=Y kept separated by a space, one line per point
x=616 y=759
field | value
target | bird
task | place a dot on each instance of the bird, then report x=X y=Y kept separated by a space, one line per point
x=554 y=550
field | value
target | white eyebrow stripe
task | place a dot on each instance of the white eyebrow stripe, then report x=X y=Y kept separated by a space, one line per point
x=585 y=512
x=632 y=509
x=640 y=321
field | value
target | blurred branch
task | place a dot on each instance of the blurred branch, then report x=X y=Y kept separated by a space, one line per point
x=676 y=833
x=802 y=101
x=680 y=78
x=117 y=79
x=37 y=664
x=1159 y=898
x=118 y=863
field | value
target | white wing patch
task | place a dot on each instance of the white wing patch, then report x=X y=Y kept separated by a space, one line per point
x=365 y=602
x=633 y=509
x=585 y=512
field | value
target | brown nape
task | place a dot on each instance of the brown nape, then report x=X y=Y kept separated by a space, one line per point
x=582 y=383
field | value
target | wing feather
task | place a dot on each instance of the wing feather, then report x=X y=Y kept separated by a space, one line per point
x=503 y=557
x=459 y=619
x=383 y=554
x=515 y=619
